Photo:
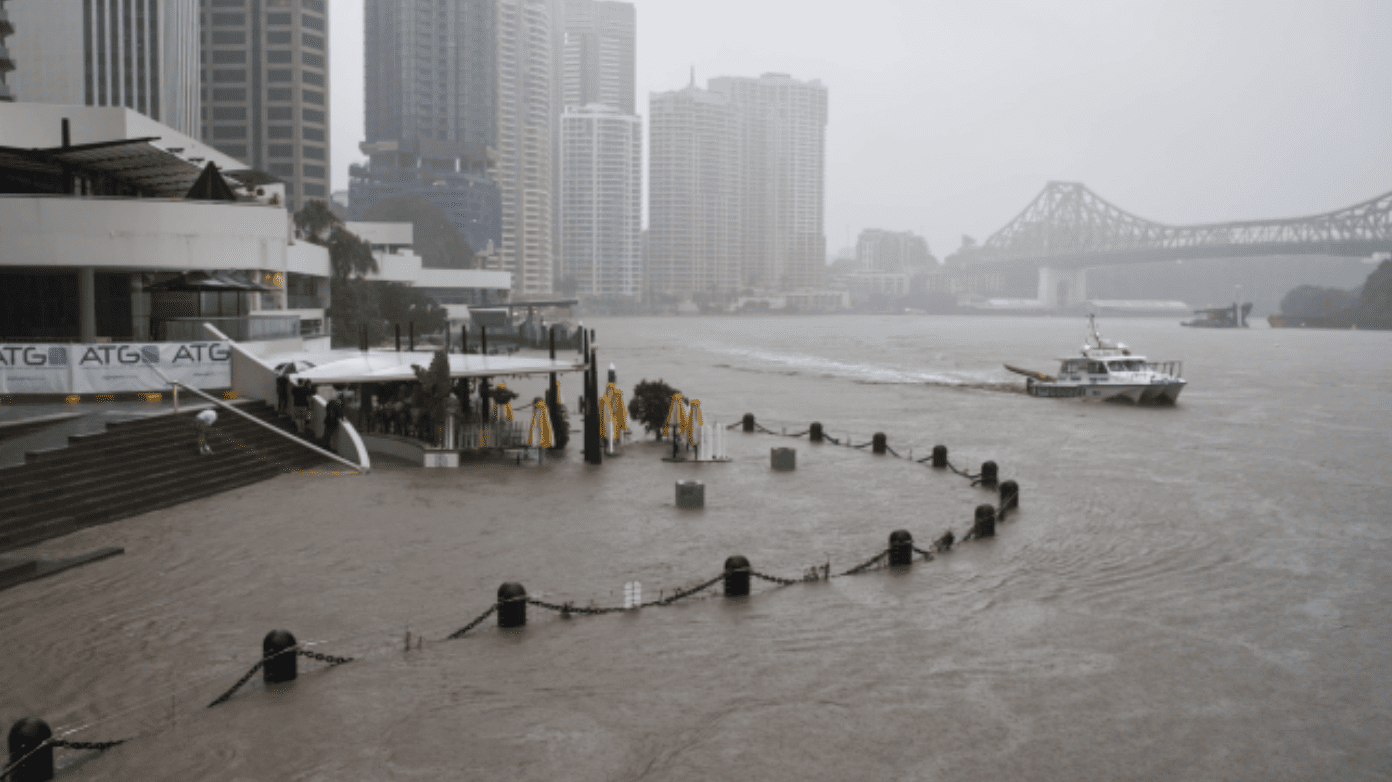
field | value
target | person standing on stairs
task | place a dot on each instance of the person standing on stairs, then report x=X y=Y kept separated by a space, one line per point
x=203 y=422
x=299 y=395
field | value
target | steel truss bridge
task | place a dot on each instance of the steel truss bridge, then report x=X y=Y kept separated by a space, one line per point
x=1067 y=226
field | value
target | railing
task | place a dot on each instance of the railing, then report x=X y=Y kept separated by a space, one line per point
x=242 y=329
x=1171 y=368
x=264 y=425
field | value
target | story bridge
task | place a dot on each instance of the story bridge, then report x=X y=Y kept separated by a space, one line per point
x=1068 y=228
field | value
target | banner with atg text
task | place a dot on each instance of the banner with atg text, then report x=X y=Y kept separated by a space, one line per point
x=112 y=368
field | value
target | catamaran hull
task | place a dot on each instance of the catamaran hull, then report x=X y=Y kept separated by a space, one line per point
x=1141 y=394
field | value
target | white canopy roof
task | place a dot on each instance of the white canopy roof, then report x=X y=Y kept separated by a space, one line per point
x=387 y=367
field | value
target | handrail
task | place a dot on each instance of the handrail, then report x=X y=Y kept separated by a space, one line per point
x=276 y=429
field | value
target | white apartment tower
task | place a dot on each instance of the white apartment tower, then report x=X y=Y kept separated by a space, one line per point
x=524 y=143
x=597 y=54
x=141 y=54
x=601 y=200
x=781 y=146
x=693 y=194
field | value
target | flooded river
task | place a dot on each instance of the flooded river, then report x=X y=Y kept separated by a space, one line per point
x=1195 y=592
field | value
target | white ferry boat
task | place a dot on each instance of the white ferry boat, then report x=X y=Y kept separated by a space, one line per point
x=1108 y=371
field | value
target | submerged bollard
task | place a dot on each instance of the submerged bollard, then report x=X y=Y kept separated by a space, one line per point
x=1009 y=496
x=736 y=576
x=512 y=605
x=985 y=526
x=988 y=474
x=814 y=432
x=27 y=736
x=748 y=422
x=284 y=667
x=940 y=457
x=783 y=459
x=901 y=547
x=691 y=494
x=878 y=443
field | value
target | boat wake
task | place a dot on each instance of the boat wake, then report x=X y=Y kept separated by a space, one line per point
x=770 y=362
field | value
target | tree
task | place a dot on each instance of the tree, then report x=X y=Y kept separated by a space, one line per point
x=435 y=389
x=315 y=222
x=650 y=404
x=349 y=256
x=435 y=239
x=402 y=304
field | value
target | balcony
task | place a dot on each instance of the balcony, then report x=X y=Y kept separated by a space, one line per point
x=296 y=301
x=240 y=329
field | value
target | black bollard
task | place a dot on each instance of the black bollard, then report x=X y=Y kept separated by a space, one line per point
x=736 y=576
x=283 y=667
x=748 y=422
x=985 y=526
x=901 y=547
x=512 y=605
x=940 y=457
x=878 y=443
x=27 y=737
x=988 y=474
x=1009 y=496
x=814 y=432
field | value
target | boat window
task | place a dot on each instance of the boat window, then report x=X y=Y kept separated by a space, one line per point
x=1097 y=368
x=1072 y=367
x=1117 y=366
x=1136 y=366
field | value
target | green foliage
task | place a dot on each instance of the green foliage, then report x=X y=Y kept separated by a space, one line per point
x=650 y=403
x=436 y=240
x=380 y=306
x=435 y=388
x=501 y=395
x=348 y=255
x=403 y=304
x=1312 y=301
x=315 y=222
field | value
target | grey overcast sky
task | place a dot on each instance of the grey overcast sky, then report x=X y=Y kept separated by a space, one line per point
x=947 y=118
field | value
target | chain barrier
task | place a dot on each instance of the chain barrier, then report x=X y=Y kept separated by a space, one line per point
x=97 y=745
x=323 y=658
x=776 y=579
x=223 y=698
x=862 y=567
x=466 y=628
x=927 y=553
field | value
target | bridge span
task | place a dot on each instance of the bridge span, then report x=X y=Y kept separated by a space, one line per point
x=1068 y=228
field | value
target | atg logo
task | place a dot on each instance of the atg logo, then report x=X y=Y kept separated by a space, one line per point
x=190 y=352
x=32 y=356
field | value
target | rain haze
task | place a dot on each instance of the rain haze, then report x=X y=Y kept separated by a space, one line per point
x=947 y=118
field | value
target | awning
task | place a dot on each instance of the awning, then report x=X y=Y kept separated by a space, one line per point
x=393 y=367
x=136 y=161
x=214 y=281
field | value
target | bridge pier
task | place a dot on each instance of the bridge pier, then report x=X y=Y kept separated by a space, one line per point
x=1062 y=287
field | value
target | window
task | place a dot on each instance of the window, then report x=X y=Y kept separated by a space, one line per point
x=281 y=169
x=279 y=56
x=278 y=36
x=229 y=131
x=310 y=77
x=314 y=5
x=277 y=18
x=280 y=74
x=280 y=112
x=226 y=57
x=229 y=94
x=280 y=131
x=1097 y=368
x=232 y=75
x=313 y=134
x=313 y=96
x=229 y=20
x=313 y=41
x=313 y=171
x=280 y=93
x=314 y=115
x=311 y=22
x=230 y=37
x=313 y=190
x=312 y=60
x=229 y=112
x=238 y=151
x=311 y=152
x=229 y=3
x=280 y=150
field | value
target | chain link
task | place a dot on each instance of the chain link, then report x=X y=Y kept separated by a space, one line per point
x=775 y=579
x=97 y=745
x=466 y=628
x=927 y=554
x=324 y=658
x=223 y=698
x=862 y=567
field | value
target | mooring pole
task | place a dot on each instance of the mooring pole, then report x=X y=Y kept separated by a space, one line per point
x=483 y=340
x=397 y=327
x=593 y=447
x=552 y=397
x=412 y=326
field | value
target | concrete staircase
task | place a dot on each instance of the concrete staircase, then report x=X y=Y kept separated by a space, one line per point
x=138 y=466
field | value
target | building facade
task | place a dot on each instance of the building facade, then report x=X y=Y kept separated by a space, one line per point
x=265 y=89
x=781 y=146
x=894 y=252
x=693 y=194
x=140 y=54
x=601 y=201
x=6 y=61
x=524 y=158
x=597 y=55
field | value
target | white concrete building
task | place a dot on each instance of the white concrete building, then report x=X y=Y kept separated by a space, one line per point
x=693 y=194
x=602 y=201
x=94 y=213
x=781 y=147
x=454 y=289
x=524 y=143
x=141 y=54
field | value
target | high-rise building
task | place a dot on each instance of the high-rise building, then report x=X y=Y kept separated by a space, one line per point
x=6 y=63
x=601 y=201
x=525 y=115
x=597 y=54
x=141 y=54
x=265 y=89
x=781 y=147
x=431 y=111
x=693 y=194
x=897 y=252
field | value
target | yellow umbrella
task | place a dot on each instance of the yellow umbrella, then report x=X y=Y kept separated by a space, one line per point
x=541 y=424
